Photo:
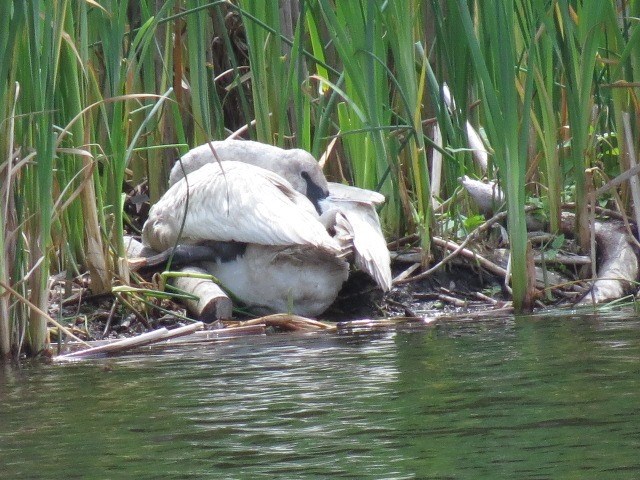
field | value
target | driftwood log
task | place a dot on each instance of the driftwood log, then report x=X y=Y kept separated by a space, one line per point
x=618 y=265
x=212 y=303
x=617 y=270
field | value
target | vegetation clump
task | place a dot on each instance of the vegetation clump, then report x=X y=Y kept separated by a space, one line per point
x=99 y=97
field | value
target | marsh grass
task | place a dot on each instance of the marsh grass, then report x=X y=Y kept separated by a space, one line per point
x=98 y=95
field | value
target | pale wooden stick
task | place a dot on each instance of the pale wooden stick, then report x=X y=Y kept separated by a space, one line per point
x=120 y=345
x=235 y=331
x=185 y=330
x=406 y=273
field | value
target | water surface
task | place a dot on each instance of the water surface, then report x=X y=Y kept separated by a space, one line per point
x=533 y=397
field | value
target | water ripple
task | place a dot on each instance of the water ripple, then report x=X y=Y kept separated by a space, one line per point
x=529 y=397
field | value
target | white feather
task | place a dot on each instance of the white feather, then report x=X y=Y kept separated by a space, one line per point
x=340 y=191
x=358 y=229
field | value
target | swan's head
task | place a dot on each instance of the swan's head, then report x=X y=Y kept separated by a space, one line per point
x=302 y=171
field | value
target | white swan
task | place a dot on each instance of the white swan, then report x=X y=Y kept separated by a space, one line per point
x=358 y=226
x=290 y=262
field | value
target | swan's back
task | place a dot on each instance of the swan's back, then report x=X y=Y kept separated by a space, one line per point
x=296 y=166
x=234 y=202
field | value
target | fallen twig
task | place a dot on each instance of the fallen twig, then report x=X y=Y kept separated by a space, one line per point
x=409 y=239
x=229 y=332
x=456 y=302
x=485 y=298
x=459 y=248
x=292 y=322
x=125 y=344
x=406 y=273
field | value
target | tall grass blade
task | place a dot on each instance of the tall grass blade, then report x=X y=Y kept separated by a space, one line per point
x=505 y=130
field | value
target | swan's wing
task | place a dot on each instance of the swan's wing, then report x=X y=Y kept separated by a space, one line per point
x=370 y=247
x=358 y=223
x=339 y=191
x=237 y=202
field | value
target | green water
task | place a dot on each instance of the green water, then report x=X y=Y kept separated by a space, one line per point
x=526 y=398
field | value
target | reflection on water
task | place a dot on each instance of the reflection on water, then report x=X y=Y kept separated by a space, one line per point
x=524 y=398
